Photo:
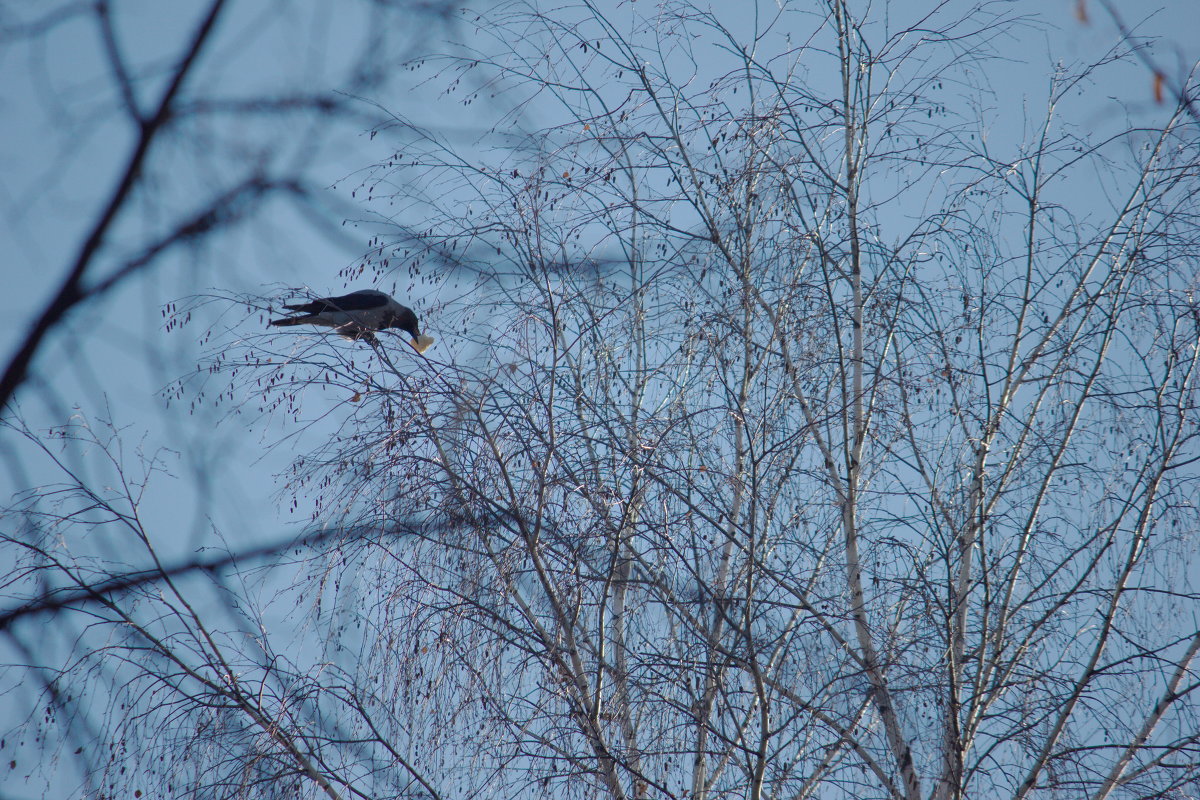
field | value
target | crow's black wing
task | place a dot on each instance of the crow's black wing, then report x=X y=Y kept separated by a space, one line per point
x=355 y=301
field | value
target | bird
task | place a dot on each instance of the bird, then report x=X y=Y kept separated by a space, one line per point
x=357 y=316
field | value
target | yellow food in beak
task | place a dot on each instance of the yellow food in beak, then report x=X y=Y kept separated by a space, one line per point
x=422 y=343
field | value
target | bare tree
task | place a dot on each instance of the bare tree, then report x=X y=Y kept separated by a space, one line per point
x=803 y=432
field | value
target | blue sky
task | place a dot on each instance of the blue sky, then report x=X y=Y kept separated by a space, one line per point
x=62 y=148
x=64 y=145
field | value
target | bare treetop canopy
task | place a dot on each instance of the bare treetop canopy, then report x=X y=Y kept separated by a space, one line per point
x=800 y=426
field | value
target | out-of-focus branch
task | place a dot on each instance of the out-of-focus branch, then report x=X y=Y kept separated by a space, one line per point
x=222 y=209
x=72 y=291
x=1163 y=83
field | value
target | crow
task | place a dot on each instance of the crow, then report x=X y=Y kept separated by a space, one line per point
x=358 y=315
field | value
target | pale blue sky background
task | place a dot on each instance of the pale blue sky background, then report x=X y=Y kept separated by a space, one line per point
x=61 y=147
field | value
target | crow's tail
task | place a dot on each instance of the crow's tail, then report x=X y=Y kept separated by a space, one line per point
x=303 y=320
